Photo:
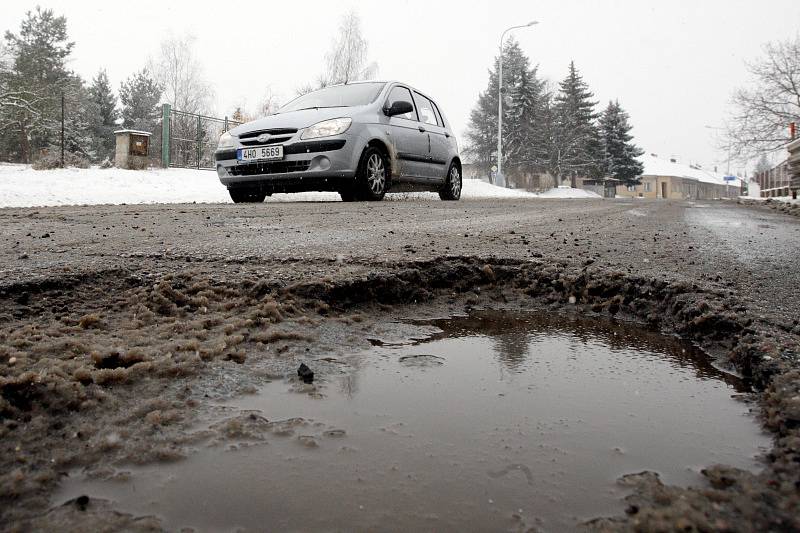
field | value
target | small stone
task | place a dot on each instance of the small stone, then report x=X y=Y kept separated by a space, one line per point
x=81 y=502
x=305 y=373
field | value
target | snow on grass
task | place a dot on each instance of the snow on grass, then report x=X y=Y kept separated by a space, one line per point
x=21 y=186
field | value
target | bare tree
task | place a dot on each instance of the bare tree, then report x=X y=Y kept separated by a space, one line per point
x=347 y=58
x=268 y=103
x=181 y=75
x=762 y=112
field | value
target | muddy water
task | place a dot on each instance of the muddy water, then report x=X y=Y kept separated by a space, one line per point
x=500 y=422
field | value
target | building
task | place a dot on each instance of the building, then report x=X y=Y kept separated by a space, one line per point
x=671 y=180
x=775 y=181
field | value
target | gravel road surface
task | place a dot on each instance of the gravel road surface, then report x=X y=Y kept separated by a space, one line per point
x=91 y=297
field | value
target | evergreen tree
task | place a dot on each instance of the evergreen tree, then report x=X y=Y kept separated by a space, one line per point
x=578 y=150
x=104 y=120
x=140 y=96
x=523 y=103
x=527 y=140
x=30 y=110
x=620 y=152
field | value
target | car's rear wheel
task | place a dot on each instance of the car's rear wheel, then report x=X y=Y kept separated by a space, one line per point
x=372 y=176
x=245 y=195
x=452 y=186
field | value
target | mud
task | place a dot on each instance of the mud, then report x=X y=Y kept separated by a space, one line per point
x=109 y=361
x=500 y=421
x=787 y=208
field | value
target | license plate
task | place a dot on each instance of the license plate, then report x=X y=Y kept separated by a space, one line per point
x=260 y=153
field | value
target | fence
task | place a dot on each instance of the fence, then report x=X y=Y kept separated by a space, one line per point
x=188 y=140
x=775 y=181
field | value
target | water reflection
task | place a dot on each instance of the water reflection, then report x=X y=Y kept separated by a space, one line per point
x=514 y=335
x=428 y=437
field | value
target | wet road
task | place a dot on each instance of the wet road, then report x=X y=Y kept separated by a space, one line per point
x=762 y=248
x=749 y=250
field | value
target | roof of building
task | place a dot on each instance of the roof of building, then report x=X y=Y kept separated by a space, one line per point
x=656 y=166
x=133 y=132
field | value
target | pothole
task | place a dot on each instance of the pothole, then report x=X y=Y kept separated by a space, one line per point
x=502 y=421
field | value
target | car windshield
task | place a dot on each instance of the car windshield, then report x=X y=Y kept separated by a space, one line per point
x=336 y=96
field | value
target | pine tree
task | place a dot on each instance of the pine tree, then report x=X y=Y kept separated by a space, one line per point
x=140 y=95
x=578 y=146
x=30 y=110
x=527 y=141
x=523 y=104
x=104 y=120
x=620 y=152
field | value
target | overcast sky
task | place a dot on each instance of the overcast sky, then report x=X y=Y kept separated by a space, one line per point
x=672 y=64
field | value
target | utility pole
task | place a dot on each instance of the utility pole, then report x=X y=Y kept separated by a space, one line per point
x=501 y=179
x=62 y=129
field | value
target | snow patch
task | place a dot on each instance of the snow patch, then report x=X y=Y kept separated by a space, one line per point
x=21 y=186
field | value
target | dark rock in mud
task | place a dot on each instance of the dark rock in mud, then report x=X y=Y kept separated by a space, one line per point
x=305 y=373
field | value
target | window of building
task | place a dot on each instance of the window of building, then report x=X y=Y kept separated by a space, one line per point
x=648 y=186
x=631 y=188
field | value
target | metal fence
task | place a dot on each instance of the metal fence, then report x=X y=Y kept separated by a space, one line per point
x=188 y=140
x=774 y=182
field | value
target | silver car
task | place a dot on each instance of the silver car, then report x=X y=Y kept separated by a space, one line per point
x=361 y=140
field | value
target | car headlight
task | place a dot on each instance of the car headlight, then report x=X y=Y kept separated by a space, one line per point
x=326 y=128
x=226 y=140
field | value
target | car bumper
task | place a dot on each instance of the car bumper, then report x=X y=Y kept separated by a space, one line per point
x=318 y=165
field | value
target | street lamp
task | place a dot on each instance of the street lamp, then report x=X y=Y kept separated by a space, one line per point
x=728 y=166
x=501 y=179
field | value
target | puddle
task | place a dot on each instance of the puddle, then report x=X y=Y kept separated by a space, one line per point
x=501 y=422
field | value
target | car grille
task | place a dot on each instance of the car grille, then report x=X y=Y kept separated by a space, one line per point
x=269 y=167
x=279 y=135
x=273 y=131
x=222 y=155
x=272 y=140
x=314 y=146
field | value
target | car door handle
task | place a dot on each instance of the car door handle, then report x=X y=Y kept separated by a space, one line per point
x=422 y=129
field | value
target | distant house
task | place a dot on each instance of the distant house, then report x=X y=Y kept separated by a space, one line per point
x=668 y=179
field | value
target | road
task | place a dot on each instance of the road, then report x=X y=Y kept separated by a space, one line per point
x=185 y=305
x=752 y=251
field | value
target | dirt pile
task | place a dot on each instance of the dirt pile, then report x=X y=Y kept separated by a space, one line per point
x=99 y=371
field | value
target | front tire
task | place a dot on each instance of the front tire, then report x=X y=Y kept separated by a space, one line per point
x=452 y=186
x=247 y=196
x=373 y=176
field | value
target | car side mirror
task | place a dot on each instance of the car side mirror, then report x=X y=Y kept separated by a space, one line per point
x=400 y=107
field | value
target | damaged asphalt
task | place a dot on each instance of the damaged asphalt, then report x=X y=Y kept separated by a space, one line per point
x=132 y=317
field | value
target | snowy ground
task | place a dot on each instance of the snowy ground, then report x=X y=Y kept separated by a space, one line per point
x=21 y=186
x=785 y=199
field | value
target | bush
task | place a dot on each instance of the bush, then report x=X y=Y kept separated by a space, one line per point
x=48 y=161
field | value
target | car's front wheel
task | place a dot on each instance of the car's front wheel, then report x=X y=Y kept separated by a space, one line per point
x=372 y=177
x=242 y=195
x=452 y=187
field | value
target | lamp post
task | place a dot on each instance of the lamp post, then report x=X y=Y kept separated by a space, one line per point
x=728 y=163
x=501 y=179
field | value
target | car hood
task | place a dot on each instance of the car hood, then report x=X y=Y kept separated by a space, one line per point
x=293 y=119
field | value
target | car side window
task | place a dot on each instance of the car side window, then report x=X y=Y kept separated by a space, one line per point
x=425 y=110
x=438 y=114
x=398 y=94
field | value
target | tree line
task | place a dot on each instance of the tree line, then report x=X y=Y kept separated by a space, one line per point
x=34 y=77
x=546 y=130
